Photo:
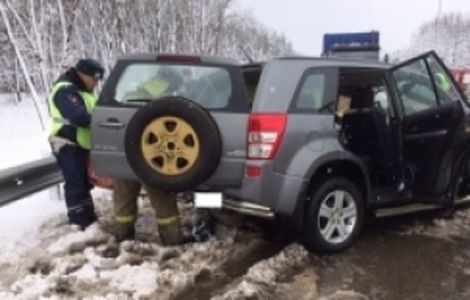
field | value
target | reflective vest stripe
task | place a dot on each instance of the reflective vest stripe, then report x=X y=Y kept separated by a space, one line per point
x=62 y=121
x=125 y=219
x=167 y=221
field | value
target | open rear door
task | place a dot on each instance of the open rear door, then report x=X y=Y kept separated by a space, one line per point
x=432 y=114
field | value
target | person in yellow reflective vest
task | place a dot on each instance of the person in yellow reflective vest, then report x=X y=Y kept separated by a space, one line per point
x=71 y=101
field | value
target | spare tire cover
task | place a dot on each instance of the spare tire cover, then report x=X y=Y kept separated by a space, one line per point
x=172 y=144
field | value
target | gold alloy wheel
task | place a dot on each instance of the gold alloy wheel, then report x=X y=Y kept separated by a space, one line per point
x=170 y=145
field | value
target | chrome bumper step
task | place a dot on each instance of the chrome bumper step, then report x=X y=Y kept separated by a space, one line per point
x=248 y=208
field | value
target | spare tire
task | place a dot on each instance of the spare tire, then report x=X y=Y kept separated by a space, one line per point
x=173 y=144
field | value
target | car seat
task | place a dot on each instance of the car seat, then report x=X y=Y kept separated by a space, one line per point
x=367 y=131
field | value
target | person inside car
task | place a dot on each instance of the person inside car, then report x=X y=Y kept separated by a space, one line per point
x=165 y=82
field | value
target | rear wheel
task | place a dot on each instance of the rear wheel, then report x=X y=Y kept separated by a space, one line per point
x=173 y=144
x=335 y=216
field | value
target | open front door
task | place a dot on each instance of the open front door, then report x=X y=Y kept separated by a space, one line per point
x=432 y=115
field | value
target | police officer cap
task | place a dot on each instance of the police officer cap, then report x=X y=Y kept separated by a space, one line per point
x=90 y=67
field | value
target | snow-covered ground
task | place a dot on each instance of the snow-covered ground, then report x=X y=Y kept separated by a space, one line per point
x=23 y=140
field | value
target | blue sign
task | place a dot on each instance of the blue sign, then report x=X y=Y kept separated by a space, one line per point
x=357 y=40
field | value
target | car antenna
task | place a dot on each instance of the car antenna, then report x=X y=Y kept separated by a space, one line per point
x=246 y=54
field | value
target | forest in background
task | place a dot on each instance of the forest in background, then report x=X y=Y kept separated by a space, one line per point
x=41 y=38
x=448 y=35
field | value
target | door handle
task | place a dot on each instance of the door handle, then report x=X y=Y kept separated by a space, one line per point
x=112 y=124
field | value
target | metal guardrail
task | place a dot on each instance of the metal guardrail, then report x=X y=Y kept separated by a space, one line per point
x=20 y=181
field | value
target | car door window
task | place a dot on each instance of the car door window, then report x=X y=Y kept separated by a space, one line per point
x=311 y=94
x=415 y=87
x=316 y=91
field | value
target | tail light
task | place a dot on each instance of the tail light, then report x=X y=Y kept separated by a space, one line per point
x=265 y=132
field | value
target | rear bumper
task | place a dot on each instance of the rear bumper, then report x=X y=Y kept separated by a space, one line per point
x=272 y=191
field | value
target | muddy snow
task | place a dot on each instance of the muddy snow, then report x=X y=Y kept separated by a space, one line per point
x=237 y=263
x=69 y=263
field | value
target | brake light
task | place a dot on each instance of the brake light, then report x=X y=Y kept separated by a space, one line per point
x=265 y=132
x=179 y=58
x=252 y=171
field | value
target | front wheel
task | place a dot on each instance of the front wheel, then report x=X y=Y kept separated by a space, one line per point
x=335 y=216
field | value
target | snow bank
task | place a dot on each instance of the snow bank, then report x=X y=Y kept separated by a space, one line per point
x=21 y=133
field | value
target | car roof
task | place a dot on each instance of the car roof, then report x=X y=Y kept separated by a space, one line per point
x=327 y=62
x=323 y=61
x=341 y=62
x=171 y=57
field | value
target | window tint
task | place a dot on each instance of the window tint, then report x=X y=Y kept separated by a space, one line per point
x=316 y=88
x=415 y=87
x=311 y=94
x=209 y=86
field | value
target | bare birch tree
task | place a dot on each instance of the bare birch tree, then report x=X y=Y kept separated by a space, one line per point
x=47 y=36
x=447 y=35
x=21 y=61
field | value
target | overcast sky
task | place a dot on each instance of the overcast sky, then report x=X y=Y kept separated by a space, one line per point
x=305 y=21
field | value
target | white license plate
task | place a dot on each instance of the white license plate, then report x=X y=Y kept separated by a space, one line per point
x=208 y=200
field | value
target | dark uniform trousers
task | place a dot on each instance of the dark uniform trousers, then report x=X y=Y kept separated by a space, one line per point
x=72 y=161
x=125 y=197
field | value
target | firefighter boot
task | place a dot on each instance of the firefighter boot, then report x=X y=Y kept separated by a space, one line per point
x=170 y=231
x=123 y=232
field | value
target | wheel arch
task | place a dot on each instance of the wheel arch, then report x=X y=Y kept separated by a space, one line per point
x=326 y=167
x=344 y=168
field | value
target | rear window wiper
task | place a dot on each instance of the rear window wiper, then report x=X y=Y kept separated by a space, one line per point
x=137 y=100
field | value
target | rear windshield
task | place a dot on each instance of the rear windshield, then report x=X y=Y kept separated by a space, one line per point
x=209 y=86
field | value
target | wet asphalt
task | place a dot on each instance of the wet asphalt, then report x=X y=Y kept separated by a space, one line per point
x=389 y=262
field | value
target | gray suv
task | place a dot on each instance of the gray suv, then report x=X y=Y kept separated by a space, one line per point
x=315 y=141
